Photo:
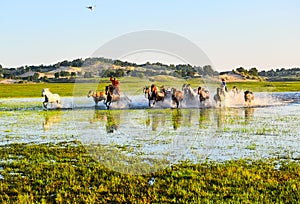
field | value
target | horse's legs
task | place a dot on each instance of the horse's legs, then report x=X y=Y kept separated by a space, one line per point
x=154 y=102
x=45 y=104
x=177 y=103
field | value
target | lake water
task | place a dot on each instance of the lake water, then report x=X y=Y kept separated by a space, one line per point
x=270 y=129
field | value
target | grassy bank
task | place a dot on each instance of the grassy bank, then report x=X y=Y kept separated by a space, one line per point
x=65 y=173
x=134 y=86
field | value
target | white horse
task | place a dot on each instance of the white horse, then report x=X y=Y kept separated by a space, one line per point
x=50 y=98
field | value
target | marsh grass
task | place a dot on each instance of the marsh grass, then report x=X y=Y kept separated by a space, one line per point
x=134 y=86
x=65 y=173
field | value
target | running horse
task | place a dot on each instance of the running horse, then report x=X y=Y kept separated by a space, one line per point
x=220 y=96
x=177 y=96
x=111 y=95
x=190 y=95
x=153 y=94
x=97 y=96
x=249 y=97
x=50 y=98
x=203 y=95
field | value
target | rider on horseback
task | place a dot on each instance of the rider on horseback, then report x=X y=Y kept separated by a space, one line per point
x=223 y=85
x=115 y=83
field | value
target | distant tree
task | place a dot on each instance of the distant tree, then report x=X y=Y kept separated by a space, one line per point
x=208 y=70
x=199 y=70
x=77 y=63
x=241 y=70
x=45 y=79
x=8 y=75
x=56 y=75
x=118 y=62
x=73 y=74
x=262 y=73
x=64 y=74
x=271 y=73
x=253 y=71
x=64 y=63
x=35 y=76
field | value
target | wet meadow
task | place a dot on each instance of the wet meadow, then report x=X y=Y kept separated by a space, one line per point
x=84 y=153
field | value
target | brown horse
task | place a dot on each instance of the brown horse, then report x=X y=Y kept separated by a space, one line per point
x=249 y=97
x=111 y=95
x=177 y=96
x=97 y=96
x=203 y=95
x=153 y=94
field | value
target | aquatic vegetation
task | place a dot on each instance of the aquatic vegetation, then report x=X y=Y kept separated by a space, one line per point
x=65 y=173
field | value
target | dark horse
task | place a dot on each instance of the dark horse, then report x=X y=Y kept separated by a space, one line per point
x=249 y=97
x=111 y=95
x=153 y=94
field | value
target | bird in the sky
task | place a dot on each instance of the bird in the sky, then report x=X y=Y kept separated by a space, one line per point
x=91 y=7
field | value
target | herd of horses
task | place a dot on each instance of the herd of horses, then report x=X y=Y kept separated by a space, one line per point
x=192 y=96
x=199 y=96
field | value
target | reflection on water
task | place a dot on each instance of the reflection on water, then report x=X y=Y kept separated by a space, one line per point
x=248 y=114
x=50 y=118
x=111 y=118
x=177 y=118
x=214 y=133
x=155 y=119
x=113 y=121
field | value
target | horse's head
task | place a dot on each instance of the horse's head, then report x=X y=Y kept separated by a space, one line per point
x=107 y=89
x=206 y=94
x=199 y=90
x=154 y=88
x=173 y=90
x=146 y=90
x=90 y=93
x=248 y=95
x=45 y=91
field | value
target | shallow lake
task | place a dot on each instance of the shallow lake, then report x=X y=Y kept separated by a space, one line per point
x=270 y=129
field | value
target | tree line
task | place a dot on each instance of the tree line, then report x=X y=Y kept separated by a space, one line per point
x=103 y=65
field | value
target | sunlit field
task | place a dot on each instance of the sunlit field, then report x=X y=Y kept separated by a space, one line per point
x=135 y=86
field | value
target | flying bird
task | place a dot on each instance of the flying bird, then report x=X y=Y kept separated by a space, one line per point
x=91 y=7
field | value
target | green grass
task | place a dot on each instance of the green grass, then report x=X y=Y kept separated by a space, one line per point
x=267 y=86
x=133 y=86
x=65 y=173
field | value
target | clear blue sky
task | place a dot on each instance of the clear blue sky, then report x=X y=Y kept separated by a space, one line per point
x=233 y=33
